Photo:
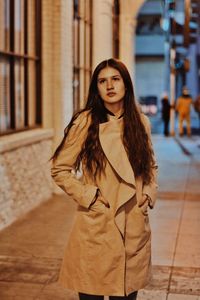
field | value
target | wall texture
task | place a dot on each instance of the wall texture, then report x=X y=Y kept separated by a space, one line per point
x=24 y=172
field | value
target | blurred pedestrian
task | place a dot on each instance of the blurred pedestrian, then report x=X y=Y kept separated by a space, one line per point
x=183 y=107
x=109 y=249
x=165 y=113
x=197 y=107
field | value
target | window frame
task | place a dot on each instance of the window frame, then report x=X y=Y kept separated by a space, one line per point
x=81 y=71
x=116 y=28
x=14 y=58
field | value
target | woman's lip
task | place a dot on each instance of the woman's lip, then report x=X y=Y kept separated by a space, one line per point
x=111 y=94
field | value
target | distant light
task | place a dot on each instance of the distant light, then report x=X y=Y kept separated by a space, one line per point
x=165 y=24
x=150 y=109
x=180 y=17
x=193 y=25
x=75 y=83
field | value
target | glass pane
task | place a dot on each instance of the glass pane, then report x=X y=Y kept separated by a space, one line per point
x=87 y=82
x=81 y=62
x=116 y=29
x=4 y=24
x=82 y=8
x=76 y=8
x=87 y=9
x=82 y=43
x=19 y=94
x=19 y=26
x=76 y=42
x=82 y=88
x=31 y=93
x=31 y=27
x=4 y=95
x=87 y=46
x=76 y=90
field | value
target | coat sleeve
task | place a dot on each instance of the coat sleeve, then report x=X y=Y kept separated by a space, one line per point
x=62 y=169
x=151 y=189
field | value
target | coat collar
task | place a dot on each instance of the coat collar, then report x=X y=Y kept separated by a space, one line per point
x=110 y=135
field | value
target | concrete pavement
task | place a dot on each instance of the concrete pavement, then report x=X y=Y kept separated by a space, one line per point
x=31 y=249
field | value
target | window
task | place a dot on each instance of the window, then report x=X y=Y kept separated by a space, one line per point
x=82 y=37
x=149 y=25
x=116 y=12
x=20 y=65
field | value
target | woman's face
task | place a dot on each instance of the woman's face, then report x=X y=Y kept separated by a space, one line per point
x=111 y=87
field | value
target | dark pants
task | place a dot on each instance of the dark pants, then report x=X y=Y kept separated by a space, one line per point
x=132 y=296
x=166 y=127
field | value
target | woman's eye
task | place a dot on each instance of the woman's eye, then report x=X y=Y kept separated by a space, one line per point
x=102 y=81
x=116 y=78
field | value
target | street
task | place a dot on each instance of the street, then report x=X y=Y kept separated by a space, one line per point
x=31 y=249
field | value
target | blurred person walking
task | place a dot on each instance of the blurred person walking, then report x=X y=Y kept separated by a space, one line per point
x=165 y=113
x=197 y=107
x=183 y=107
x=109 y=249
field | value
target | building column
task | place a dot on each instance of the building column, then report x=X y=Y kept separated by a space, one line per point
x=128 y=22
x=127 y=31
x=102 y=31
x=58 y=66
x=47 y=66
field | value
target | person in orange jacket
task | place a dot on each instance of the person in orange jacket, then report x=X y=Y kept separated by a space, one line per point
x=183 y=107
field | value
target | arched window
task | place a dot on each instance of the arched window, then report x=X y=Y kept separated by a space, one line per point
x=116 y=12
x=82 y=37
x=20 y=65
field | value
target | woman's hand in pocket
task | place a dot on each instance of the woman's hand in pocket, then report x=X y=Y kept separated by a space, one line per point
x=144 y=205
x=103 y=200
x=100 y=199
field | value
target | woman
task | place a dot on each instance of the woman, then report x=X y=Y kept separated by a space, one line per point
x=109 y=249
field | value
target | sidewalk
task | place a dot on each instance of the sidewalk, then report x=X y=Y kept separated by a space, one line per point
x=176 y=221
x=31 y=249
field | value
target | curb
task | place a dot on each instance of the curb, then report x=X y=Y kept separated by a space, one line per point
x=183 y=148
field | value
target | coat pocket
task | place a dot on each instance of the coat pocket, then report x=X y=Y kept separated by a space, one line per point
x=100 y=204
x=144 y=208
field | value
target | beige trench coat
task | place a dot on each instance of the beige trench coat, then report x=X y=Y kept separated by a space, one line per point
x=109 y=249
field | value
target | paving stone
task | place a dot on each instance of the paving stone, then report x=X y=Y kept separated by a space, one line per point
x=182 y=297
x=29 y=269
x=185 y=281
x=160 y=278
x=151 y=295
x=19 y=290
x=55 y=291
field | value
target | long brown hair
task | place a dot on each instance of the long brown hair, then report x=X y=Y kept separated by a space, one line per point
x=135 y=138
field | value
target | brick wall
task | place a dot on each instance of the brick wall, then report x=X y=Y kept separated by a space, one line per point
x=25 y=179
x=24 y=173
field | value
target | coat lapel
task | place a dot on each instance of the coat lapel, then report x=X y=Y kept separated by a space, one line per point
x=112 y=145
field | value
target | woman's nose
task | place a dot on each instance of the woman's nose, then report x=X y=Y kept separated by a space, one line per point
x=109 y=84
